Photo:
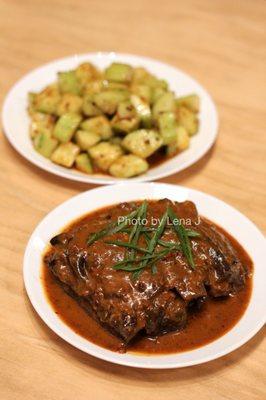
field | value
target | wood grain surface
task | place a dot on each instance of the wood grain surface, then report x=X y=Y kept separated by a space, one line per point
x=222 y=44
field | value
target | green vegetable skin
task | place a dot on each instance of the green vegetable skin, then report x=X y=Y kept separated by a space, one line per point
x=66 y=126
x=45 y=144
x=167 y=127
x=114 y=118
x=83 y=163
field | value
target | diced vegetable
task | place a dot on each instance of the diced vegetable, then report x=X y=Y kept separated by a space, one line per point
x=142 y=91
x=93 y=87
x=143 y=110
x=108 y=100
x=128 y=165
x=180 y=143
x=126 y=119
x=41 y=123
x=45 y=144
x=99 y=125
x=140 y=74
x=104 y=154
x=65 y=154
x=83 y=163
x=88 y=106
x=47 y=100
x=156 y=93
x=119 y=72
x=86 y=139
x=188 y=120
x=142 y=142
x=86 y=72
x=192 y=102
x=69 y=103
x=167 y=127
x=165 y=103
x=66 y=126
x=68 y=82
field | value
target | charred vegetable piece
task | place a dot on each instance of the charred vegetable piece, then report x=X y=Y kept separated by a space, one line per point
x=68 y=82
x=45 y=144
x=192 y=102
x=126 y=119
x=165 y=103
x=41 y=123
x=167 y=127
x=128 y=165
x=86 y=72
x=143 y=110
x=65 y=154
x=66 y=126
x=180 y=143
x=118 y=72
x=142 y=91
x=108 y=101
x=88 y=106
x=47 y=100
x=69 y=103
x=188 y=120
x=83 y=163
x=104 y=154
x=86 y=139
x=99 y=125
x=142 y=142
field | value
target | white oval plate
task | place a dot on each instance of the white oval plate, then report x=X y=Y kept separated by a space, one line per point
x=16 y=121
x=219 y=212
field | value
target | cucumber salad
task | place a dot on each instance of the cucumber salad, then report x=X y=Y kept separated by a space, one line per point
x=113 y=121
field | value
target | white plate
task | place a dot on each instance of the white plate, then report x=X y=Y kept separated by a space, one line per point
x=16 y=120
x=230 y=219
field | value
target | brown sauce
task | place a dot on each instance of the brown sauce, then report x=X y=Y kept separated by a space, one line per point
x=216 y=317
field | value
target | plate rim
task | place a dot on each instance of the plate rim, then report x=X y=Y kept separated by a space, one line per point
x=102 y=353
x=106 y=180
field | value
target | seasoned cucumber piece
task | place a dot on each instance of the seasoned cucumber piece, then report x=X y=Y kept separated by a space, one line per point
x=93 y=87
x=99 y=125
x=188 y=120
x=83 y=163
x=68 y=82
x=165 y=103
x=65 y=154
x=180 y=143
x=192 y=102
x=86 y=72
x=156 y=93
x=140 y=74
x=41 y=123
x=66 y=126
x=119 y=72
x=167 y=127
x=88 y=106
x=69 y=103
x=86 y=139
x=126 y=119
x=108 y=85
x=128 y=165
x=104 y=154
x=142 y=91
x=44 y=144
x=143 y=142
x=108 y=100
x=47 y=100
x=143 y=110
x=31 y=102
x=156 y=83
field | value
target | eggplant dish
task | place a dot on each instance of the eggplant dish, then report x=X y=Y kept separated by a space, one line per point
x=118 y=121
x=145 y=270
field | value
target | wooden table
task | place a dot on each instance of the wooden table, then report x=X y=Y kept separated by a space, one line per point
x=221 y=43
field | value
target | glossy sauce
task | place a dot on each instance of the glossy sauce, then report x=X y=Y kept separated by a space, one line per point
x=216 y=317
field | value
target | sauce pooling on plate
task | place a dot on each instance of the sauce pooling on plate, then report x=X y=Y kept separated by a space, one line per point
x=177 y=307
